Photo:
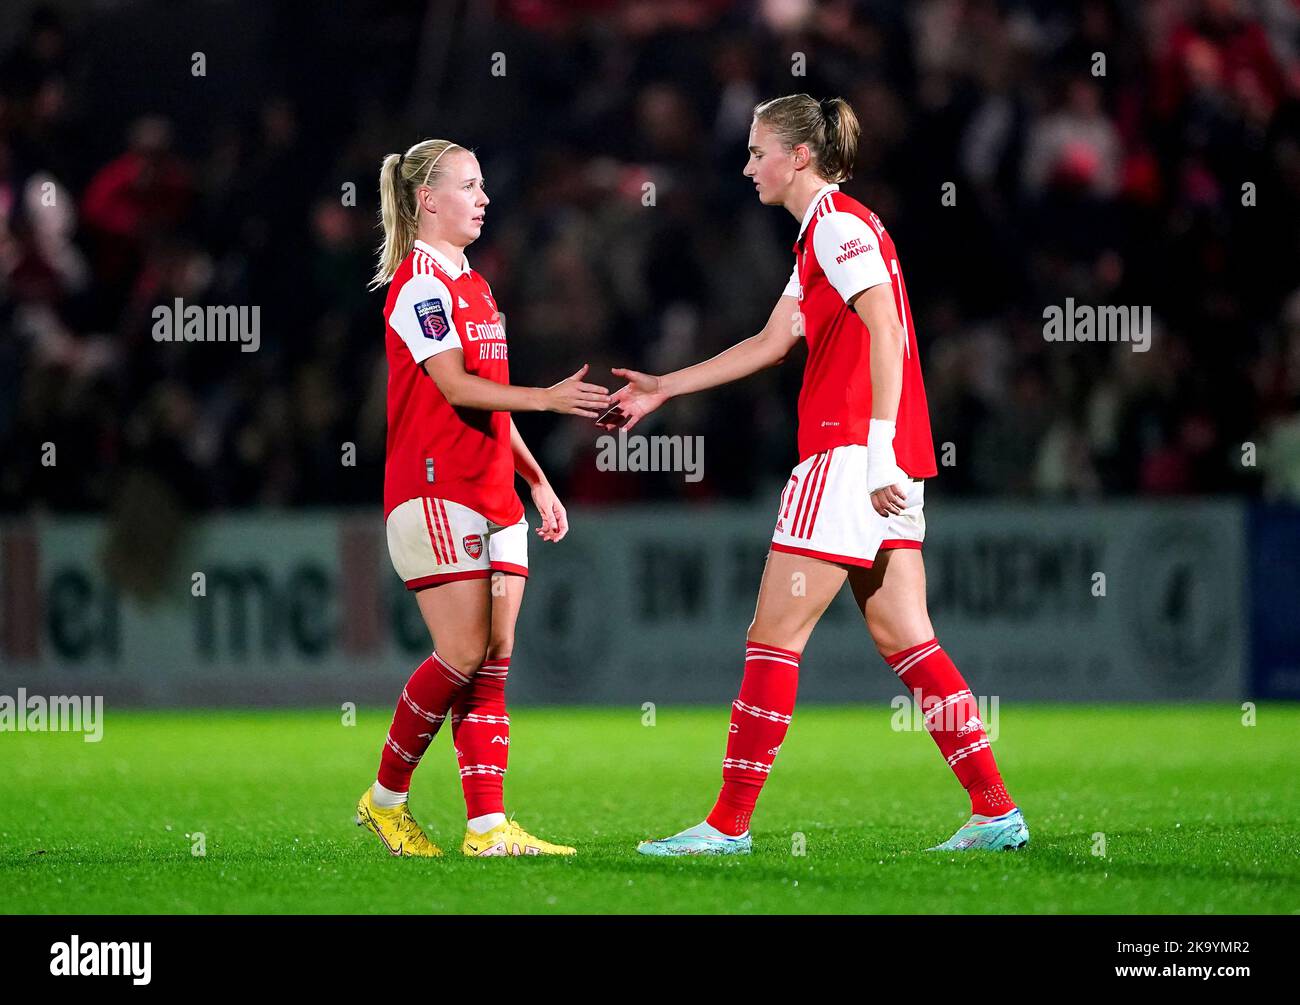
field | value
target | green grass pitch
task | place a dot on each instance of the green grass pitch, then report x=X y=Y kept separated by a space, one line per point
x=1200 y=814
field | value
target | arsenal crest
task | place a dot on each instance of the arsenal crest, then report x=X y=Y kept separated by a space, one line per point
x=473 y=545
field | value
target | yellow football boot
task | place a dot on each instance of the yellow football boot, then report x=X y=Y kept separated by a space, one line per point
x=396 y=828
x=509 y=839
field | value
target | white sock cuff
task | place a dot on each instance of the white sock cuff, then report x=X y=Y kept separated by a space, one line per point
x=386 y=799
x=483 y=824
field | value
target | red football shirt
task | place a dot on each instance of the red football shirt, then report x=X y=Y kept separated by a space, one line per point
x=843 y=249
x=461 y=454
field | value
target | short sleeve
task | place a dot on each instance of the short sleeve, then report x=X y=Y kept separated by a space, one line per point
x=848 y=251
x=792 y=288
x=422 y=316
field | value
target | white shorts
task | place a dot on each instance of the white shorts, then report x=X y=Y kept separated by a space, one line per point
x=435 y=541
x=826 y=511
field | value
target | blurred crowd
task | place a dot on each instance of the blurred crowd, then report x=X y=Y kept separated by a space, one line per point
x=1141 y=154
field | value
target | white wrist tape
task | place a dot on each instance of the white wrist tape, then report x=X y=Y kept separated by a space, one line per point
x=882 y=466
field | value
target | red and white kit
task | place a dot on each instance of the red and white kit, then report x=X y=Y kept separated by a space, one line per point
x=449 y=498
x=825 y=509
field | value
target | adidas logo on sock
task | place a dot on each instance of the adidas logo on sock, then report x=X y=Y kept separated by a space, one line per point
x=970 y=725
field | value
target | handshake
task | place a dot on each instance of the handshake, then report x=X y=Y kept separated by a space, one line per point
x=640 y=396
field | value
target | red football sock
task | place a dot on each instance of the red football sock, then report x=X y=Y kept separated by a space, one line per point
x=759 y=719
x=952 y=719
x=419 y=713
x=480 y=730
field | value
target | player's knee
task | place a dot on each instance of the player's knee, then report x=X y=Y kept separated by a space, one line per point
x=765 y=633
x=466 y=655
x=894 y=637
x=769 y=633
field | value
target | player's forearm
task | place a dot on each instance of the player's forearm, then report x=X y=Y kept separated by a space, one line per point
x=742 y=359
x=888 y=342
x=525 y=463
x=886 y=371
x=466 y=390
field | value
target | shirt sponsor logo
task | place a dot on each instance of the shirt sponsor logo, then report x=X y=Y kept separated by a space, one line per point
x=491 y=340
x=433 y=319
x=853 y=248
x=479 y=331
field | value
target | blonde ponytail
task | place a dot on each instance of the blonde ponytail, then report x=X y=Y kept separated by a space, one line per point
x=842 y=133
x=400 y=176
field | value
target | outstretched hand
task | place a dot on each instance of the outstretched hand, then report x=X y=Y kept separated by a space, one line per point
x=640 y=396
x=573 y=396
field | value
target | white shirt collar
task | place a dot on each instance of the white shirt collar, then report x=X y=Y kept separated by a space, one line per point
x=443 y=260
x=812 y=206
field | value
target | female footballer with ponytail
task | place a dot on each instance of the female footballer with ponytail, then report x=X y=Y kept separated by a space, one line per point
x=852 y=508
x=454 y=521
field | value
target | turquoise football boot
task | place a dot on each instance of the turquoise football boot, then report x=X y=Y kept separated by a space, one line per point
x=1002 y=833
x=702 y=839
